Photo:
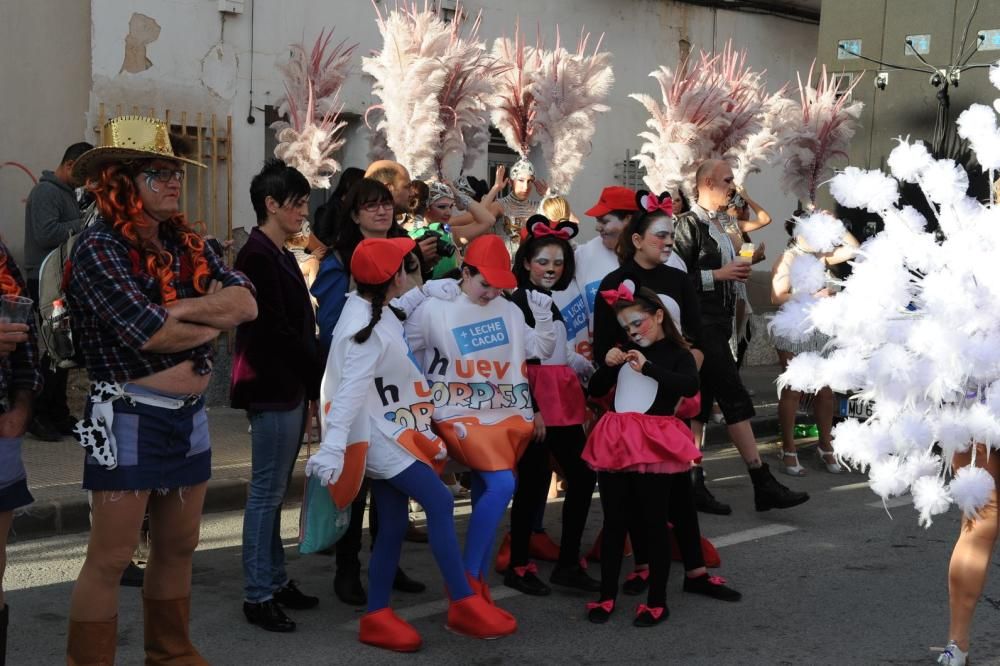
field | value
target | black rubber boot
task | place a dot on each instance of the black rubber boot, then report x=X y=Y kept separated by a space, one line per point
x=769 y=494
x=704 y=501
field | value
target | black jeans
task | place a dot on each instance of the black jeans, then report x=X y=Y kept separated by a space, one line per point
x=720 y=380
x=683 y=515
x=566 y=444
x=645 y=496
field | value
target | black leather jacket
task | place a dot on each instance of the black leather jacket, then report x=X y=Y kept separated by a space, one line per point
x=695 y=246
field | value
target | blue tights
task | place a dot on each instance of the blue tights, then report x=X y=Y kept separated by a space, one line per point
x=391 y=496
x=491 y=493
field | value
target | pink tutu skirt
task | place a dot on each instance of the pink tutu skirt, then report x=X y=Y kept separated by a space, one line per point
x=632 y=442
x=558 y=393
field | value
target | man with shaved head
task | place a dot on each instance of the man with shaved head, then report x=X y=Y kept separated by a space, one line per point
x=714 y=267
x=394 y=176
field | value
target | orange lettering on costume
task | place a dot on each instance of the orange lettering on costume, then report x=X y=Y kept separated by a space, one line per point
x=524 y=368
x=418 y=388
x=501 y=368
x=483 y=367
x=422 y=412
x=468 y=371
x=460 y=395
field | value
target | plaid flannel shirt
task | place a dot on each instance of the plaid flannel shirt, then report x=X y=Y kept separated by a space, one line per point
x=19 y=370
x=116 y=306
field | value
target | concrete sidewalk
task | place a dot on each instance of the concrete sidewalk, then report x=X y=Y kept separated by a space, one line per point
x=55 y=468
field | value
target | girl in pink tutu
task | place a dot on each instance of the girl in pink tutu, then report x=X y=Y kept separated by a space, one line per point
x=637 y=445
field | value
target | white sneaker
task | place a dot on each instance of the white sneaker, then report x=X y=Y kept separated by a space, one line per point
x=952 y=655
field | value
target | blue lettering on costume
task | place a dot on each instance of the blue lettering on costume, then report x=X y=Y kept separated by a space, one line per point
x=481 y=335
x=575 y=317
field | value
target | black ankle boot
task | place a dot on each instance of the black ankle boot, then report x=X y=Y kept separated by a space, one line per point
x=704 y=501
x=769 y=494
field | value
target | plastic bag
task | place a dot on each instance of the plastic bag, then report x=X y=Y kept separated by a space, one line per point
x=321 y=523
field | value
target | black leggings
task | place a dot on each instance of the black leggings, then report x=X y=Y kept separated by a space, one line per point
x=645 y=496
x=683 y=515
x=533 y=473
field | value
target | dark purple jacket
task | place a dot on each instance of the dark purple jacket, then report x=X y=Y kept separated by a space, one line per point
x=276 y=362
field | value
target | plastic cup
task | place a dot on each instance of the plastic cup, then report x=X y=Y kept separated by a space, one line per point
x=746 y=252
x=15 y=309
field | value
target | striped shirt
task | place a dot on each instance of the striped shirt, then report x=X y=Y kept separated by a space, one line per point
x=19 y=370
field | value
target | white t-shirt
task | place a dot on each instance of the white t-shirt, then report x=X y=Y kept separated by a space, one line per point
x=593 y=263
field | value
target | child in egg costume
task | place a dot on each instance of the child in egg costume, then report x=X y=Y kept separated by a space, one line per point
x=372 y=377
x=473 y=351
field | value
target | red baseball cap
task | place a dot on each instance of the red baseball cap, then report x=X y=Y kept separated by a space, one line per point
x=489 y=256
x=375 y=260
x=612 y=198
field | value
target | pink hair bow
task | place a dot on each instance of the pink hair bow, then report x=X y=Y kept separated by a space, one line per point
x=607 y=605
x=651 y=204
x=622 y=293
x=530 y=567
x=543 y=230
x=655 y=612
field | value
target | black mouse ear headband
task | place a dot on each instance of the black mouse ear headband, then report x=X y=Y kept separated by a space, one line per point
x=539 y=226
x=650 y=203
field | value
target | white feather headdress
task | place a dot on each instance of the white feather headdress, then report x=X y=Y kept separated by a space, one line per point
x=570 y=90
x=312 y=92
x=919 y=317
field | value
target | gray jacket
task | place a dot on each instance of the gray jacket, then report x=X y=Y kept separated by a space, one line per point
x=50 y=216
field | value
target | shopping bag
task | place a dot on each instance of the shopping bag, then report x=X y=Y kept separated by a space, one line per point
x=321 y=523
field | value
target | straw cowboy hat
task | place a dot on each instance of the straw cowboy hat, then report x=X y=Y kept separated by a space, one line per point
x=129 y=138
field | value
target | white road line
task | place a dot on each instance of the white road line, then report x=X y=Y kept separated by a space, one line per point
x=762 y=532
x=429 y=608
x=726 y=478
x=850 y=486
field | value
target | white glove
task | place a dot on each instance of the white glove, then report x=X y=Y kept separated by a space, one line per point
x=540 y=306
x=326 y=465
x=445 y=289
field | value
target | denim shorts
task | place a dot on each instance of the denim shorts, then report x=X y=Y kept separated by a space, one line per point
x=158 y=448
x=13 y=479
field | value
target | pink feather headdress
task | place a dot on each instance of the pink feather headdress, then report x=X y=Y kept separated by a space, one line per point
x=712 y=107
x=312 y=92
x=819 y=129
x=432 y=81
x=513 y=105
x=569 y=92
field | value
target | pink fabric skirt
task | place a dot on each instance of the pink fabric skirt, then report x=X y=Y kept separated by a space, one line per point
x=632 y=442
x=558 y=393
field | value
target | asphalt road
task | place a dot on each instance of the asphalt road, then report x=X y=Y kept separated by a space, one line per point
x=835 y=581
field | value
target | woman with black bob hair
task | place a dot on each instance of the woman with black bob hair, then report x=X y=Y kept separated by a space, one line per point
x=275 y=376
x=544 y=262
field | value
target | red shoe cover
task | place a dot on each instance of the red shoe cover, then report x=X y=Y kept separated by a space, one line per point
x=708 y=552
x=472 y=616
x=385 y=629
x=480 y=588
x=503 y=555
x=542 y=547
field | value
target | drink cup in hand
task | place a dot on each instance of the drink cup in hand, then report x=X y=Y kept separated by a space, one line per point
x=746 y=252
x=15 y=309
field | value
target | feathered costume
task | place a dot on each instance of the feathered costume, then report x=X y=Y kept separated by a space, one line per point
x=312 y=92
x=915 y=329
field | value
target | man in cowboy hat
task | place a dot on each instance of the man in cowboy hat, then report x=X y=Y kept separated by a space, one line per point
x=147 y=300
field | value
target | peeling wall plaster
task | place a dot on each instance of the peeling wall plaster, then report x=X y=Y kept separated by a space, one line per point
x=142 y=31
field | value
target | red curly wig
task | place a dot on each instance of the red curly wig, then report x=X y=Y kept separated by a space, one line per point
x=119 y=203
x=8 y=285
